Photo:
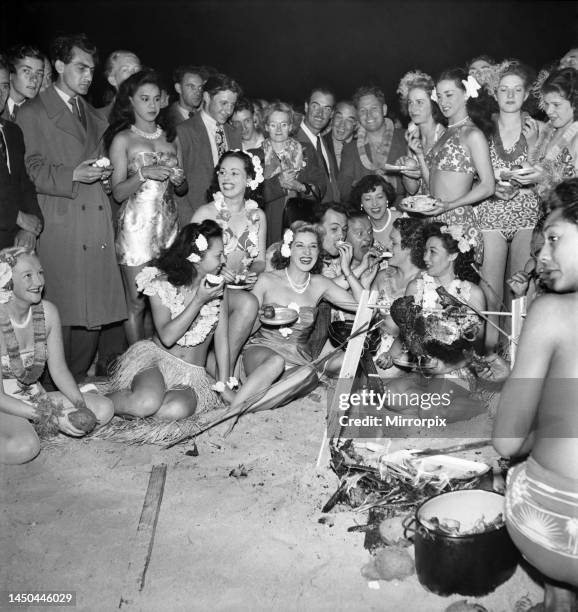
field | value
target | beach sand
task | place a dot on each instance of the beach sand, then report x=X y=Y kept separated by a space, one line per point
x=222 y=542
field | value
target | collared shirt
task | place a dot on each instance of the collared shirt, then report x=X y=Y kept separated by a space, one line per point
x=65 y=97
x=313 y=138
x=10 y=104
x=211 y=126
x=3 y=136
x=184 y=112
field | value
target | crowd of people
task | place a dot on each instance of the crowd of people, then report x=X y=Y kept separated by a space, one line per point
x=165 y=235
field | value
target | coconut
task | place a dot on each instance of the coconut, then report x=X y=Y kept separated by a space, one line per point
x=82 y=419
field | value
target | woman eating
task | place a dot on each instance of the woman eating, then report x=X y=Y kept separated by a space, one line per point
x=427 y=125
x=31 y=338
x=147 y=169
x=375 y=196
x=290 y=168
x=555 y=157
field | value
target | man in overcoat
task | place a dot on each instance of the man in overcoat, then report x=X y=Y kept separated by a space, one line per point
x=63 y=139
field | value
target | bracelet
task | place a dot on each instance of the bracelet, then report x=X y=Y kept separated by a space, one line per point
x=139 y=173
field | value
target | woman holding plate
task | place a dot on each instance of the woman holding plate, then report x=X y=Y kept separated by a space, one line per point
x=295 y=284
x=460 y=170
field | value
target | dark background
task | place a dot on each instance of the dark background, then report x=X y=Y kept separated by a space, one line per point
x=281 y=48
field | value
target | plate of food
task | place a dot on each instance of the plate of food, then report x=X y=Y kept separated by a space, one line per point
x=278 y=315
x=405 y=360
x=418 y=204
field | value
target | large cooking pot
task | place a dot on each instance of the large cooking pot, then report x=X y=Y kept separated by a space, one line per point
x=464 y=564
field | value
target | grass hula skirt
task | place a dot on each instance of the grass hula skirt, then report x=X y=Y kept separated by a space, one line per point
x=177 y=374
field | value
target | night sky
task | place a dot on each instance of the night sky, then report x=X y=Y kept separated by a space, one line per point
x=280 y=49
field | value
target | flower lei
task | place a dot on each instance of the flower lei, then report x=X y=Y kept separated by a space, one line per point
x=259 y=176
x=460 y=235
x=251 y=246
x=202 y=245
x=382 y=150
x=26 y=375
x=430 y=299
x=149 y=283
x=287 y=240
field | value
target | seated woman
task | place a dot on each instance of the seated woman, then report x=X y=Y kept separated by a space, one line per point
x=375 y=196
x=448 y=255
x=406 y=263
x=244 y=228
x=537 y=415
x=459 y=171
x=166 y=376
x=297 y=284
x=30 y=338
x=291 y=169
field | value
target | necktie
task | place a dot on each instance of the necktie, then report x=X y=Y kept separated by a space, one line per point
x=77 y=112
x=220 y=141
x=14 y=112
x=3 y=153
x=320 y=152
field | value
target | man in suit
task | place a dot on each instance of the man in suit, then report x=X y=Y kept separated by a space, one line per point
x=204 y=138
x=378 y=142
x=26 y=66
x=20 y=216
x=318 y=113
x=119 y=65
x=188 y=83
x=63 y=136
x=343 y=126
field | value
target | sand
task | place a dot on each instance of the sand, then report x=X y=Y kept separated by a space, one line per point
x=222 y=543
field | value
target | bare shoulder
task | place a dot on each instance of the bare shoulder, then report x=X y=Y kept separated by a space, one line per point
x=473 y=135
x=51 y=315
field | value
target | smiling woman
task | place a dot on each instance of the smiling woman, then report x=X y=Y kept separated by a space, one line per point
x=30 y=339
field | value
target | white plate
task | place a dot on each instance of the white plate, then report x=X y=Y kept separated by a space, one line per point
x=237 y=286
x=417 y=204
x=283 y=316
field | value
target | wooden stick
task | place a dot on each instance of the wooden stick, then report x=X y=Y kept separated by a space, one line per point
x=141 y=546
x=492 y=290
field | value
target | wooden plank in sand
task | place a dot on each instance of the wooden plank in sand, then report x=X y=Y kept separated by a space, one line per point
x=347 y=374
x=141 y=545
x=518 y=314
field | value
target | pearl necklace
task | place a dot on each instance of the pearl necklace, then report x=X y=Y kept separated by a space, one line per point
x=298 y=288
x=451 y=125
x=148 y=135
x=375 y=229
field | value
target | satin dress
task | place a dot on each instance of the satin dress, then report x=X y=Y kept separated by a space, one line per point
x=148 y=220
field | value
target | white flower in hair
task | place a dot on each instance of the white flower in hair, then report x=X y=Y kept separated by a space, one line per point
x=458 y=234
x=287 y=240
x=201 y=243
x=194 y=258
x=471 y=86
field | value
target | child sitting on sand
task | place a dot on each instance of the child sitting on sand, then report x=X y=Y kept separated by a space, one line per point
x=537 y=414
